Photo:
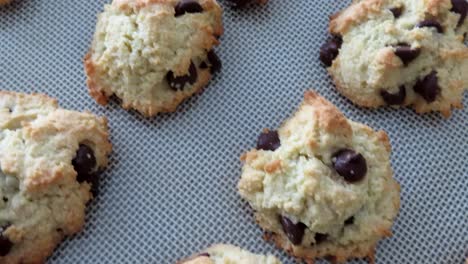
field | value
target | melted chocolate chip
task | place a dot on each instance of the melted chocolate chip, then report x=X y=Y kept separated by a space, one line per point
x=350 y=165
x=84 y=162
x=394 y=98
x=294 y=232
x=329 y=51
x=240 y=3
x=178 y=83
x=431 y=23
x=214 y=61
x=349 y=221
x=460 y=7
x=187 y=6
x=428 y=87
x=268 y=140
x=5 y=199
x=204 y=255
x=406 y=53
x=319 y=238
x=396 y=11
x=5 y=243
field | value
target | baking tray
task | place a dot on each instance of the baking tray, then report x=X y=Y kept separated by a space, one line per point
x=170 y=189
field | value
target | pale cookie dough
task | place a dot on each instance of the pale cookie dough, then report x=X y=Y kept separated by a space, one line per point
x=153 y=54
x=400 y=53
x=322 y=185
x=49 y=159
x=224 y=254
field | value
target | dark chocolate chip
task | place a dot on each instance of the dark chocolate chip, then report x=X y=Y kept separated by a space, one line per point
x=406 y=53
x=349 y=221
x=84 y=162
x=187 y=6
x=178 y=83
x=329 y=51
x=319 y=238
x=239 y=3
x=460 y=7
x=431 y=23
x=350 y=165
x=396 y=11
x=293 y=231
x=428 y=87
x=214 y=61
x=5 y=243
x=203 y=65
x=204 y=255
x=394 y=98
x=5 y=199
x=268 y=140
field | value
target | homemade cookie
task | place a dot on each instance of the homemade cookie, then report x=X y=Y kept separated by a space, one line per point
x=221 y=253
x=49 y=159
x=4 y=2
x=322 y=185
x=400 y=52
x=153 y=54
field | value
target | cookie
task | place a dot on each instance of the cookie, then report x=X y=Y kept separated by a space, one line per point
x=229 y=254
x=400 y=53
x=49 y=159
x=153 y=54
x=4 y=2
x=322 y=186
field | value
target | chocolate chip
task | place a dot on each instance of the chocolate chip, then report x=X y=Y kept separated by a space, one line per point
x=329 y=51
x=428 y=87
x=203 y=65
x=406 y=53
x=349 y=221
x=396 y=11
x=431 y=23
x=187 y=6
x=240 y=3
x=214 y=61
x=396 y=98
x=460 y=7
x=204 y=255
x=178 y=83
x=293 y=231
x=350 y=165
x=5 y=243
x=268 y=140
x=84 y=162
x=319 y=238
x=5 y=199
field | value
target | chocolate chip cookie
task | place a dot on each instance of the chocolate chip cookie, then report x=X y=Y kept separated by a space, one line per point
x=153 y=54
x=322 y=185
x=50 y=159
x=229 y=254
x=400 y=53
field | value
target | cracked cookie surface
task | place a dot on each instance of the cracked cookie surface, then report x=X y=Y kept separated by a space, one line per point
x=322 y=185
x=153 y=54
x=400 y=53
x=49 y=160
x=222 y=253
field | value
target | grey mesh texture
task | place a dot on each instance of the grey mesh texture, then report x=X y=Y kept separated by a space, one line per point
x=170 y=189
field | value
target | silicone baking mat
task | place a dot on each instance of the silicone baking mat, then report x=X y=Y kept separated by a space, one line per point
x=170 y=189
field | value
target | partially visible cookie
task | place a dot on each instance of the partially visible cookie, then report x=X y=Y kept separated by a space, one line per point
x=322 y=185
x=222 y=253
x=153 y=54
x=400 y=53
x=49 y=159
x=4 y=2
